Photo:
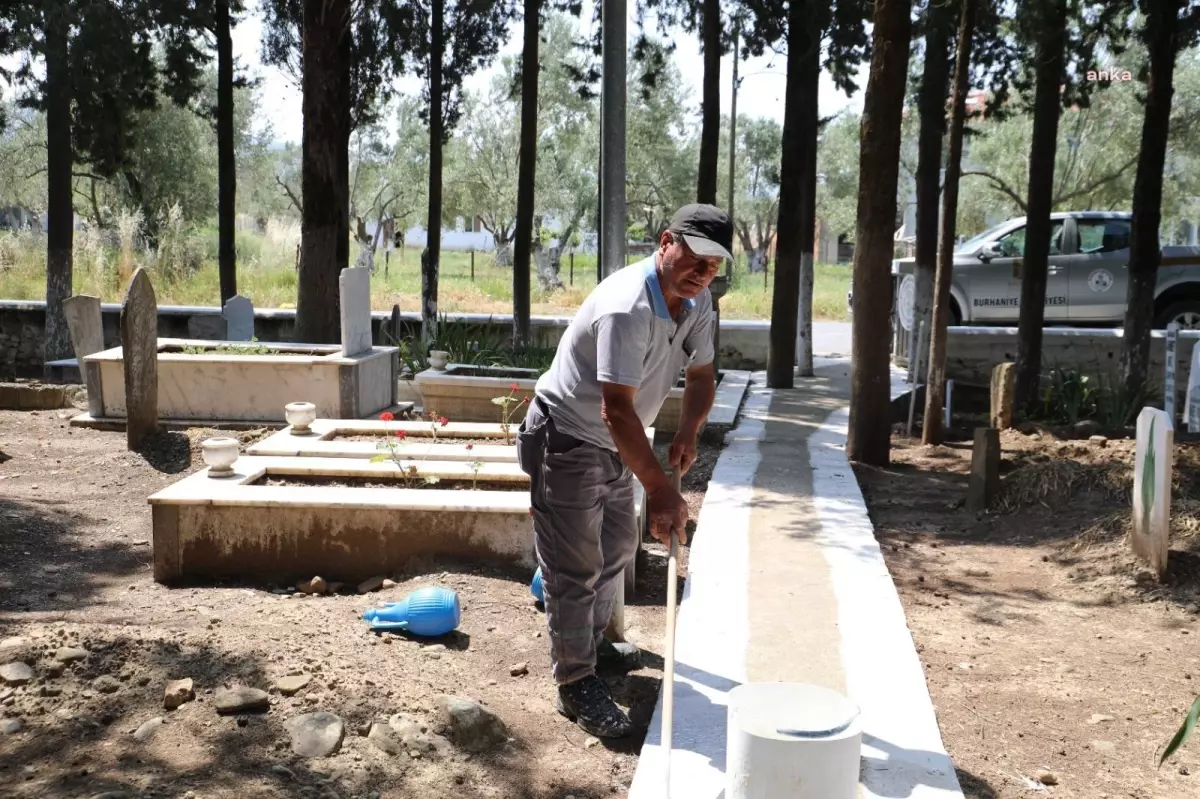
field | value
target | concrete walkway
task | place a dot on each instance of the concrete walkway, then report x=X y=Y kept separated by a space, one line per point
x=787 y=583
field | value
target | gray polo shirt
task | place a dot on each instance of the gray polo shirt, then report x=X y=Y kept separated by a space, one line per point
x=624 y=334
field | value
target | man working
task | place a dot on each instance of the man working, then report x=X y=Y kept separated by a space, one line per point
x=584 y=436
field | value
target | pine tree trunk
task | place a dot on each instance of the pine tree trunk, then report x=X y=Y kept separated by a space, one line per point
x=325 y=175
x=806 y=230
x=932 y=103
x=710 y=128
x=1047 y=106
x=433 y=245
x=781 y=354
x=1144 y=256
x=932 y=430
x=226 y=163
x=869 y=439
x=60 y=158
x=526 y=172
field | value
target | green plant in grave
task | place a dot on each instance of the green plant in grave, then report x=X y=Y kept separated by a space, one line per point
x=228 y=349
x=475 y=466
x=508 y=406
x=409 y=472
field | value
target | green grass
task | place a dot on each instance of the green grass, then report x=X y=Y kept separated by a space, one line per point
x=266 y=274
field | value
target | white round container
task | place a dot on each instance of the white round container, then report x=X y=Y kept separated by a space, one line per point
x=300 y=415
x=220 y=454
x=791 y=741
x=438 y=359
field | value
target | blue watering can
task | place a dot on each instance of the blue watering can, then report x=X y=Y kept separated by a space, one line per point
x=535 y=587
x=430 y=612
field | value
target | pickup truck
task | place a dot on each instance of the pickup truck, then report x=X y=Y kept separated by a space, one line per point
x=1088 y=279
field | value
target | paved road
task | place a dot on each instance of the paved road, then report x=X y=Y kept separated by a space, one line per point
x=831 y=338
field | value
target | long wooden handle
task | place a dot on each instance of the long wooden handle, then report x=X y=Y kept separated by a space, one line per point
x=669 y=656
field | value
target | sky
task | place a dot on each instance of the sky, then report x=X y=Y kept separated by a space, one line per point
x=763 y=79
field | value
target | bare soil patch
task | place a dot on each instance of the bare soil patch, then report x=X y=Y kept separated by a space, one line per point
x=75 y=571
x=1051 y=655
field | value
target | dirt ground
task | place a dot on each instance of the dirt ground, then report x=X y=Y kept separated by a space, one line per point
x=75 y=570
x=1056 y=663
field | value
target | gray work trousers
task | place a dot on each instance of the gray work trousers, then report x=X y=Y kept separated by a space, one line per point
x=585 y=534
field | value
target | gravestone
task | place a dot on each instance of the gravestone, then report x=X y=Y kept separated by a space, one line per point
x=1004 y=377
x=1153 y=458
x=86 y=325
x=139 y=342
x=985 y=469
x=355 y=286
x=1172 y=346
x=394 y=329
x=1191 y=407
x=239 y=319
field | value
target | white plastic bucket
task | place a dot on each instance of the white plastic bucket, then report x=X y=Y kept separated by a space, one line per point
x=791 y=741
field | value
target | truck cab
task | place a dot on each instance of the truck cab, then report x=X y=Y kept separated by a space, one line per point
x=1087 y=281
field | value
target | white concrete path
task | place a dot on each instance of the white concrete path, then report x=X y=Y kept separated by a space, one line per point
x=718 y=646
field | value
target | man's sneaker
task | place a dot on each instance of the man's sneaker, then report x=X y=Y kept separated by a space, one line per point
x=617 y=658
x=588 y=704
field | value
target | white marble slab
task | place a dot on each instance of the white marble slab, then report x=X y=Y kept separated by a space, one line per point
x=1154 y=456
x=355 y=285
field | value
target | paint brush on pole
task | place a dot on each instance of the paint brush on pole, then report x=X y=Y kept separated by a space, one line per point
x=668 y=717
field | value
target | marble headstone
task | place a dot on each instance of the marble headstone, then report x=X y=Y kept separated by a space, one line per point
x=1153 y=459
x=394 y=329
x=239 y=319
x=1191 y=407
x=355 y=286
x=139 y=342
x=85 y=323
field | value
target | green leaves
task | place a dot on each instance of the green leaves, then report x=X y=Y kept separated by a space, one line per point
x=381 y=458
x=1185 y=731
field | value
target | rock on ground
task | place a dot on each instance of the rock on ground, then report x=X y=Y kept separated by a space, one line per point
x=70 y=654
x=10 y=726
x=289 y=686
x=178 y=692
x=412 y=733
x=316 y=734
x=471 y=726
x=241 y=699
x=106 y=684
x=147 y=730
x=16 y=673
x=373 y=584
x=384 y=739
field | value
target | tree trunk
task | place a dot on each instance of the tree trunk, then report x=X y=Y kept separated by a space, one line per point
x=433 y=243
x=526 y=173
x=226 y=163
x=932 y=431
x=710 y=112
x=325 y=174
x=932 y=105
x=737 y=33
x=869 y=439
x=60 y=157
x=1161 y=29
x=1047 y=105
x=805 y=232
x=781 y=354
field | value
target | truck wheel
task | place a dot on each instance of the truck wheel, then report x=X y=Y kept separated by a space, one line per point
x=1185 y=312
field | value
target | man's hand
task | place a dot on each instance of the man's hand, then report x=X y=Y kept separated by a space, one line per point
x=667 y=510
x=682 y=453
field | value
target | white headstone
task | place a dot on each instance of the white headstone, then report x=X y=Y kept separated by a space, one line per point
x=355 y=286
x=1191 y=408
x=1169 y=387
x=85 y=323
x=239 y=319
x=1153 y=459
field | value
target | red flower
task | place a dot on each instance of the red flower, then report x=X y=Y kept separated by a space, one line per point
x=525 y=401
x=470 y=447
x=513 y=387
x=401 y=434
x=531 y=511
x=443 y=421
x=386 y=416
